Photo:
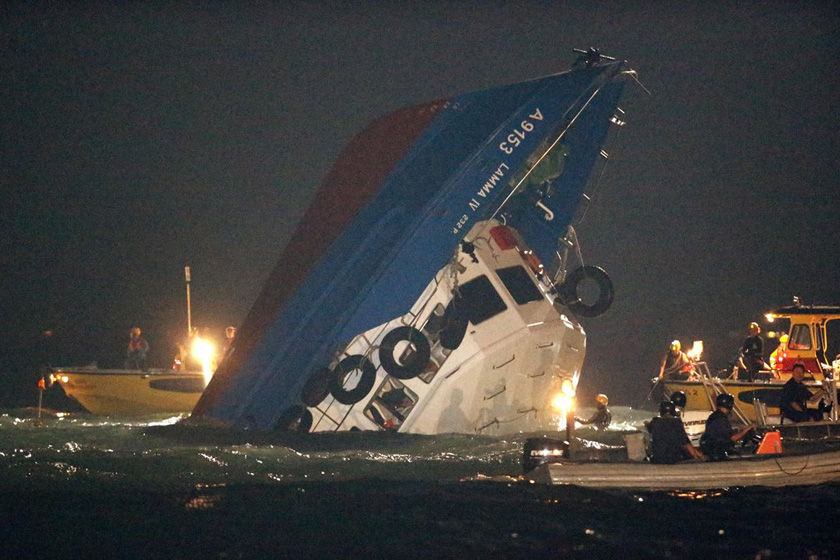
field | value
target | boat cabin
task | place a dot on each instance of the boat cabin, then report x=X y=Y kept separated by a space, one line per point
x=812 y=341
x=484 y=350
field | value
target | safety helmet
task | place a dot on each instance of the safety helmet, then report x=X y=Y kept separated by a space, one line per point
x=725 y=400
x=667 y=408
x=602 y=398
x=784 y=338
x=676 y=346
x=754 y=327
x=678 y=398
x=136 y=331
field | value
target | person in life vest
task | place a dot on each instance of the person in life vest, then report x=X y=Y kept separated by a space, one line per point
x=602 y=416
x=675 y=363
x=135 y=354
x=778 y=355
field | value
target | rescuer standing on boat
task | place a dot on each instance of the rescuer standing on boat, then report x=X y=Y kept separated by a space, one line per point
x=230 y=336
x=135 y=354
x=602 y=417
x=752 y=353
x=675 y=363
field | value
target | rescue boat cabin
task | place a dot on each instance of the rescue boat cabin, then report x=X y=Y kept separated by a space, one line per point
x=813 y=340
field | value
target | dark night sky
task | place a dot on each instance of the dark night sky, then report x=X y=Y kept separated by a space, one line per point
x=140 y=138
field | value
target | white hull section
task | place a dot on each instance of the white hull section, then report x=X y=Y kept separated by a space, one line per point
x=514 y=355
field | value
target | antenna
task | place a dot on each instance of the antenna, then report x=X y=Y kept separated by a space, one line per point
x=590 y=57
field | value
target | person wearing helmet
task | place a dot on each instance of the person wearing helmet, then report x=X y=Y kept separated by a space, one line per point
x=679 y=400
x=135 y=354
x=718 y=441
x=675 y=363
x=751 y=359
x=777 y=357
x=669 y=442
x=602 y=416
x=230 y=337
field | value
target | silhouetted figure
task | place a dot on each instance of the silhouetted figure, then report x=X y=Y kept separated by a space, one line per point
x=795 y=396
x=718 y=441
x=752 y=354
x=669 y=442
x=135 y=354
x=602 y=416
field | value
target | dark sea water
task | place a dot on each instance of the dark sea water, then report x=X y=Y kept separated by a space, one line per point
x=79 y=486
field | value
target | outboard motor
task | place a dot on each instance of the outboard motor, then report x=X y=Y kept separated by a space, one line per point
x=541 y=450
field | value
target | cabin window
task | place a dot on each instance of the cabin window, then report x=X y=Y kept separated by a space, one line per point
x=432 y=328
x=519 y=284
x=832 y=343
x=391 y=404
x=483 y=300
x=800 y=338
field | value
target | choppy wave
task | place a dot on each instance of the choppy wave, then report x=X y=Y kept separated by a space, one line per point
x=75 y=485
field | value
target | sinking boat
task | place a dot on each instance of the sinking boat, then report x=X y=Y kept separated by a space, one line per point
x=428 y=287
x=131 y=392
x=810 y=335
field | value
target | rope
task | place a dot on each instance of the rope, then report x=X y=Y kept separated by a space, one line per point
x=781 y=468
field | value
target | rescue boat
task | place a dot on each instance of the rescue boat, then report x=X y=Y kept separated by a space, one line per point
x=812 y=338
x=131 y=392
x=756 y=470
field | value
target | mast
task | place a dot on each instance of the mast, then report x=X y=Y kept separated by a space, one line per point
x=189 y=311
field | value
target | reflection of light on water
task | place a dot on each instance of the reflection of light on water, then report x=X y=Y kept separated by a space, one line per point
x=215 y=460
x=697 y=495
x=166 y=422
x=202 y=502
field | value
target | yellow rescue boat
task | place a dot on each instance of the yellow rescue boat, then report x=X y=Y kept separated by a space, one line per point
x=121 y=392
x=809 y=340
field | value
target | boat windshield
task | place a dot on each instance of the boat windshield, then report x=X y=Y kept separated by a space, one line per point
x=485 y=302
x=800 y=337
x=519 y=284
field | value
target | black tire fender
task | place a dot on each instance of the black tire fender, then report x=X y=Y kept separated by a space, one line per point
x=294 y=419
x=569 y=291
x=317 y=387
x=417 y=362
x=339 y=376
